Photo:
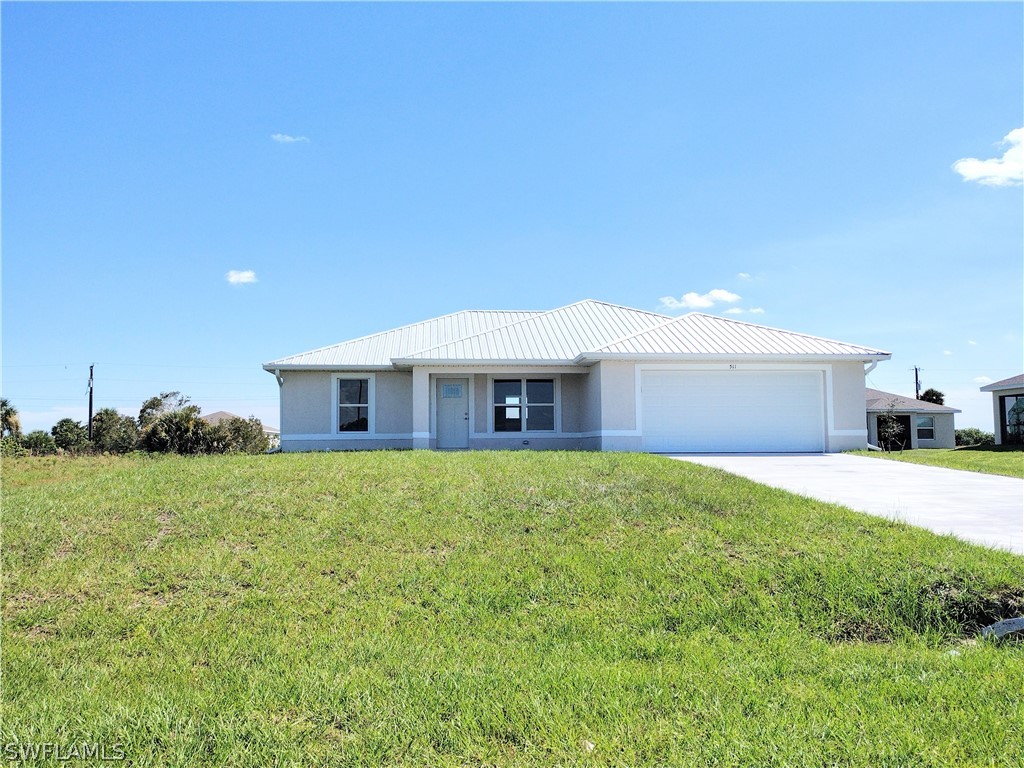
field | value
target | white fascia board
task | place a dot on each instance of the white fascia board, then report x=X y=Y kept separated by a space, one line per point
x=423 y=363
x=1003 y=388
x=589 y=358
x=271 y=367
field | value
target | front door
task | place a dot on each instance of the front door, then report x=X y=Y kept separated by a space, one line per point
x=453 y=413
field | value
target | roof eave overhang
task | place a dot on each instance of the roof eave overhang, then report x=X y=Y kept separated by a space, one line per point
x=898 y=409
x=272 y=367
x=433 y=362
x=1004 y=388
x=588 y=358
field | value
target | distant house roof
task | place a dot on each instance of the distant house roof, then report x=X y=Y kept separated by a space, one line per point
x=1014 y=382
x=878 y=401
x=218 y=416
x=580 y=333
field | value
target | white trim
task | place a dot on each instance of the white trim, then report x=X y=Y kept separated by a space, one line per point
x=371 y=401
x=343 y=436
x=556 y=378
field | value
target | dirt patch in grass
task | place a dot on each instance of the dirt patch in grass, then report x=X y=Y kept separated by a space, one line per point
x=971 y=611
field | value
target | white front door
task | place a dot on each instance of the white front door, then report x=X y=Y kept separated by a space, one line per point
x=453 y=413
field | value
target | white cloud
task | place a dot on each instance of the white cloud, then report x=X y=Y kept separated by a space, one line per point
x=735 y=311
x=238 y=277
x=1004 y=171
x=946 y=352
x=982 y=380
x=757 y=311
x=695 y=300
x=972 y=343
x=743 y=275
x=284 y=138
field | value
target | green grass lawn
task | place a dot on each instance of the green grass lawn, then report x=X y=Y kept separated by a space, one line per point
x=490 y=609
x=991 y=459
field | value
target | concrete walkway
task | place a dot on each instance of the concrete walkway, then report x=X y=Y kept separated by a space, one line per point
x=988 y=509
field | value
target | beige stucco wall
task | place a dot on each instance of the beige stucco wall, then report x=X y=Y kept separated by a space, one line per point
x=848 y=396
x=305 y=403
x=618 y=394
x=945 y=429
x=393 y=411
x=481 y=402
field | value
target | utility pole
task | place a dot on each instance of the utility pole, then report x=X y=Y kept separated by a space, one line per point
x=917 y=383
x=90 y=400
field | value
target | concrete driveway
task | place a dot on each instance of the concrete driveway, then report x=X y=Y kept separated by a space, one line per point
x=988 y=509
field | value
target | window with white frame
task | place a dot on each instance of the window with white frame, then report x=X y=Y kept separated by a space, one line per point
x=524 y=405
x=353 y=405
x=925 y=427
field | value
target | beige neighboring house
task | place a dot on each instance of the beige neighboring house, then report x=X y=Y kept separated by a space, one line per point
x=1008 y=409
x=925 y=425
x=587 y=376
x=273 y=434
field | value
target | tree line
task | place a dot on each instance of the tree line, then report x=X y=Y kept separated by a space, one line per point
x=167 y=423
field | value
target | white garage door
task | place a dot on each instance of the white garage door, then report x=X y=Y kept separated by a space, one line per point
x=733 y=411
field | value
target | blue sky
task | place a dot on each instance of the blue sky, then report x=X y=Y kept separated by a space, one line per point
x=375 y=165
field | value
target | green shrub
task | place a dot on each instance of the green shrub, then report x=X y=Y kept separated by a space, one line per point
x=974 y=436
x=39 y=443
x=182 y=431
x=10 y=447
x=113 y=432
x=245 y=435
x=70 y=435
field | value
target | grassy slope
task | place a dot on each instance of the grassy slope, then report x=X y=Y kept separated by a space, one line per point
x=423 y=608
x=991 y=459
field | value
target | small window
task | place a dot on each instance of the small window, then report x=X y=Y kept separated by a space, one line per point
x=353 y=405
x=925 y=427
x=524 y=405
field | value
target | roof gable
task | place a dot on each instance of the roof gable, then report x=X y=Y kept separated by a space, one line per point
x=556 y=336
x=700 y=334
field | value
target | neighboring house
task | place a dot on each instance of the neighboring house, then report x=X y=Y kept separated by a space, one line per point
x=925 y=425
x=588 y=375
x=1008 y=409
x=273 y=434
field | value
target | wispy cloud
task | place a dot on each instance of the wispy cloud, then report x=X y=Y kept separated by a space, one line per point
x=694 y=300
x=743 y=275
x=240 y=276
x=947 y=352
x=735 y=311
x=741 y=311
x=284 y=138
x=1004 y=171
x=972 y=342
x=982 y=380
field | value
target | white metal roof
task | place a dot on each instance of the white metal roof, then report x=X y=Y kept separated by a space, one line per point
x=699 y=334
x=580 y=333
x=379 y=349
x=556 y=336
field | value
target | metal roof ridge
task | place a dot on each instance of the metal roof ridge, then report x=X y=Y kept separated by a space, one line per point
x=410 y=355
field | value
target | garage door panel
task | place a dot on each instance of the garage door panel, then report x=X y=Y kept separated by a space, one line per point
x=732 y=411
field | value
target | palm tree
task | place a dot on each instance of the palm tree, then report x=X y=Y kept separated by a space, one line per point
x=10 y=424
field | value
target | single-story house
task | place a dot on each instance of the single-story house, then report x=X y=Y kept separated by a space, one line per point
x=589 y=375
x=1008 y=409
x=925 y=425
